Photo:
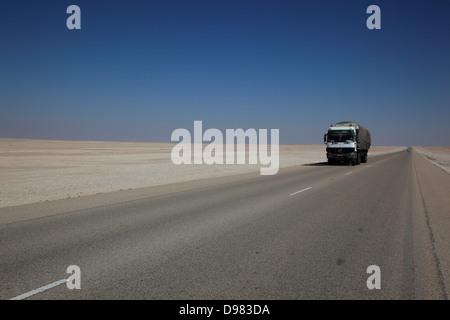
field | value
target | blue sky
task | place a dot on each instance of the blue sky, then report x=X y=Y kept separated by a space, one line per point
x=137 y=70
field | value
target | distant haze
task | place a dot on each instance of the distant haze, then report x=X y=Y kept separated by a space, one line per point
x=137 y=70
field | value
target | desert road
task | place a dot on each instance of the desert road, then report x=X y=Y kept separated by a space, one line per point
x=308 y=232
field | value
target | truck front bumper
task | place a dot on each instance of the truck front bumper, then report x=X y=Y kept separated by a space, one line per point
x=341 y=156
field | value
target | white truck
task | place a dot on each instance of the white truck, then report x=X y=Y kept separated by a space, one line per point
x=347 y=141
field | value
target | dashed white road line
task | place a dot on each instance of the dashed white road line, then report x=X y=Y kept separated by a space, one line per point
x=39 y=290
x=348 y=173
x=300 y=191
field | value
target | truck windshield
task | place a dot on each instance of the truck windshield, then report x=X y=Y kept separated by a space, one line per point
x=340 y=137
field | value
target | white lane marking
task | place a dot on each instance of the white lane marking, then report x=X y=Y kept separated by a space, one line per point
x=300 y=191
x=348 y=173
x=38 y=290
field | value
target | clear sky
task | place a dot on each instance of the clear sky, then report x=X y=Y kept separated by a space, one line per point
x=137 y=70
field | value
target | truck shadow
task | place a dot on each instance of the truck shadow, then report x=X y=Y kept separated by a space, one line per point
x=326 y=164
x=316 y=164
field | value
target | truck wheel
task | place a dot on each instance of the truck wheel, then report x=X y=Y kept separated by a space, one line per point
x=364 y=157
x=358 y=158
x=353 y=162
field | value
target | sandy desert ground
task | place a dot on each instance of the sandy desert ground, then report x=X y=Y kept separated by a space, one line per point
x=42 y=170
x=439 y=155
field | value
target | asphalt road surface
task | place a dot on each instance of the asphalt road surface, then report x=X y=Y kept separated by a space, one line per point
x=309 y=232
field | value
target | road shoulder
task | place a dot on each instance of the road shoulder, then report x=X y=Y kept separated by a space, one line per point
x=434 y=189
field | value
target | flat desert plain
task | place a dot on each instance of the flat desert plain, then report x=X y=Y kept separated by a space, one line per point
x=439 y=155
x=42 y=170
